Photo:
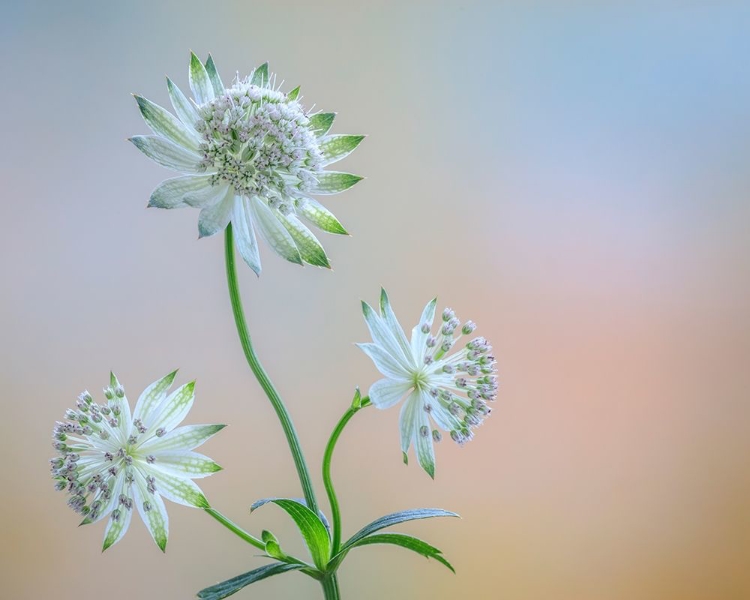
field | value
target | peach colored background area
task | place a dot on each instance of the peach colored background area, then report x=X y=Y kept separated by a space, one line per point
x=571 y=175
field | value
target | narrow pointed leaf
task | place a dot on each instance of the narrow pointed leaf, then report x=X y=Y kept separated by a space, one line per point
x=214 y=219
x=234 y=585
x=185 y=464
x=405 y=541
x=311 y=527
x=336 y=147
x=321 y=217
x=175 y=407
x=164 y=123
x=334 y=182
x=321 y=123
x=213 y=75
x=396 y=518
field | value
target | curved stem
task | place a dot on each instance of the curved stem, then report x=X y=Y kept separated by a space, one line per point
x=328 y=482
x=236 y=529
x=262 y=377
x=331 y=587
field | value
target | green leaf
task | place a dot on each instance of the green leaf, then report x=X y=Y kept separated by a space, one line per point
x=231 y=586
x=336 y=147
x=200 y=84
x=333 y=182
x=321 y=123
x=260 y=76
x=164 y=123
x=294 y=94
x=213 y=76
x=311 y=527
x=394 y=519
x=399 y=539
x=321 y=217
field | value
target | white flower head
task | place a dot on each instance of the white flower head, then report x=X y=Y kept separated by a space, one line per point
x=113 y=462
x=251 y=156
x=449 y=388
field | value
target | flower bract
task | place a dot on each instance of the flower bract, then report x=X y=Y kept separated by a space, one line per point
x=441 y=384
x=112 y=461
x=250 y=155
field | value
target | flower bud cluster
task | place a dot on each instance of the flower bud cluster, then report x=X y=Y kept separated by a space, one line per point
x=260 y=142
x=471 y=370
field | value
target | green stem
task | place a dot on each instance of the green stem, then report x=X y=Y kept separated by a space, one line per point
x=262 y=377
x=331 y=587
x=236 y=529
x=328 y=482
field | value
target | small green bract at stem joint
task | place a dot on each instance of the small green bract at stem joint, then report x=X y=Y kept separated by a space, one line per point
x=251 y=156
x=112 y=461
x=450 y=388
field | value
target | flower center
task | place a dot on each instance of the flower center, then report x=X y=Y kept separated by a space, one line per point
x=259 y=142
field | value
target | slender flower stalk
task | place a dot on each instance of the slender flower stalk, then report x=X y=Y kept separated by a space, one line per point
x=327 y=480
x=260 y=374
x=236 y=529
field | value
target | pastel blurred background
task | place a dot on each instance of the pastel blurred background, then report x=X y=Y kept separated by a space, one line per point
x=571 y=175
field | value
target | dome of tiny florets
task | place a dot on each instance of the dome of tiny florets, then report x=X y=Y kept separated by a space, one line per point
x=260 y=142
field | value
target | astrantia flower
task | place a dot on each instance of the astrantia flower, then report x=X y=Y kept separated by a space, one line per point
x=251 y=155
x=113 y=462
x=450 y=388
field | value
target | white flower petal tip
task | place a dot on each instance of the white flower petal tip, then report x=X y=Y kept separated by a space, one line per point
x=112 y=462
x=259 y=149
x=443 y=384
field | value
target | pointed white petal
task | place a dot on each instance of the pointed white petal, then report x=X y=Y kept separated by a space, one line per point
x=167 y=154
x=244 y=234
x=321 y=123
x=208 y=196
x=321 y=217
x=178 y=489
x=394 y=326
x=163 y=123
x=171 y=192
x=152 y=511
x=175 y=407
x=182 y=106
x=334 y=182
x=408 y=419
x=185 y=464
x=336 y=147
x=308 y=245
x=213 y=75
x=117 y=528
x=384 y=393
x=214 y=219
x=384 y=362
x=384 y=337
x=200 y=84
x=418 y=337
x=152 y=397
x=442 y=416
x=423 y=441
x=273 y=231
x=186 y=437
